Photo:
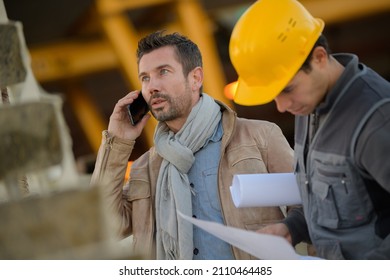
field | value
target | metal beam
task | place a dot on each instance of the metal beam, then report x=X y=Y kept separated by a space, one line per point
x=87 y=113
x=71 y=59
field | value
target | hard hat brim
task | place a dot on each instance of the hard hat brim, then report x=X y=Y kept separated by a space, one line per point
x=256 y=95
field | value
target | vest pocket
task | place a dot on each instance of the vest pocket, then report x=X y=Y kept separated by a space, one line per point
x=337 y=199
x=326 y=214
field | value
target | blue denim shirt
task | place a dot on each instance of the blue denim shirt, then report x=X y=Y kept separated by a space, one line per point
x=206 y=204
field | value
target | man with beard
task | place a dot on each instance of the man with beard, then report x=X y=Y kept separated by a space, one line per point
x=200 y=144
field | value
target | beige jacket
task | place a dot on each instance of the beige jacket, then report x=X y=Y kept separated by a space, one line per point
x=248 y=146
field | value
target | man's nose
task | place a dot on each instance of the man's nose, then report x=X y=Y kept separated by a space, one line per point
x=282 y=103
x=151 y=87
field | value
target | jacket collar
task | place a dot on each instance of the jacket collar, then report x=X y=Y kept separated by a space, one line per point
x=352 y=67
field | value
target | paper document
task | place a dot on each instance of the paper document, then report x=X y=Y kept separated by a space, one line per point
x=266 y=189
x=261 y=246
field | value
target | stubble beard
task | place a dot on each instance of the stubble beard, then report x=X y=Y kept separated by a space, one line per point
x=172 y=110
x=175 y=107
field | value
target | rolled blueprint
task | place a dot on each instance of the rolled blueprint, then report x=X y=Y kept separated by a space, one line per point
x=266 y=189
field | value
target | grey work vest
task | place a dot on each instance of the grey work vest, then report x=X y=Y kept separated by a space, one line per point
x=338 y=208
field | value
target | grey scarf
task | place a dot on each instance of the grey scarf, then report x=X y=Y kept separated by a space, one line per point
x=174 y=236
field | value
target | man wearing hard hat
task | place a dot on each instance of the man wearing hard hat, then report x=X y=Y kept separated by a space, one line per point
x=342 y=128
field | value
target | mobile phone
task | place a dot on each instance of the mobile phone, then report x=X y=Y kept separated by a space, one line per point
x=137 y=109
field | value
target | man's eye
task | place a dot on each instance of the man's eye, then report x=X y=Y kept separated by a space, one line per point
x=144 y=79
x=163 y=71
x=287 y=90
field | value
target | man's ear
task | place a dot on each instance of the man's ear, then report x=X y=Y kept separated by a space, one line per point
x=320 y=56
x=196 y=78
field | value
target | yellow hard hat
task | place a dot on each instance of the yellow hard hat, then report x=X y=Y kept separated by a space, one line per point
x=268 y=45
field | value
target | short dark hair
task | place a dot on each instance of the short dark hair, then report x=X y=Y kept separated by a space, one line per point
x=187 y=52
x=321 y=42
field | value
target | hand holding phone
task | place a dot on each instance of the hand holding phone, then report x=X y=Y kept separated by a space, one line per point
x=137 y=109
